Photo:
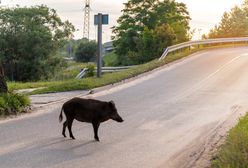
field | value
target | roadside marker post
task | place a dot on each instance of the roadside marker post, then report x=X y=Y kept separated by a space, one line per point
x=99 y=20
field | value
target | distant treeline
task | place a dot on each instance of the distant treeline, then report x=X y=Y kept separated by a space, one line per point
x=232 y=24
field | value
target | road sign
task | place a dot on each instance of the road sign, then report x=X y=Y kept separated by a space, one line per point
x=99 y=20
x=105 y=19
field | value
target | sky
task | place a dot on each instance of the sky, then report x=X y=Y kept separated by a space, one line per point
x=205 y=14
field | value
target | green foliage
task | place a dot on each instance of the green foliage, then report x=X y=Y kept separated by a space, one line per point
x=29 y=40
x=147 y=27
x=165 y=36
x=152 y=43
x=127 y=43
x=2 y=106
x=232 y=24
x=234 y=153
x=11 y=103
x=3 y=84
x=110 y=59
x=91 y=70
x=71 y=45
x=86 y=51
x=69 y=71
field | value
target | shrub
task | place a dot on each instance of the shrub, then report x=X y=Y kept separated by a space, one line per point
x=86 y=51
x=11 y=103
x=91 y=70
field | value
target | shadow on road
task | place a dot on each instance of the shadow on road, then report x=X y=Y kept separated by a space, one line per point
x=48 y=152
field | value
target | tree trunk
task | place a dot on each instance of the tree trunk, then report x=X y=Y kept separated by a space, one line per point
x=3 y=84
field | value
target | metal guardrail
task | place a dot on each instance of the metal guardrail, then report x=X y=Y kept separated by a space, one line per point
x=199 y=42
x=82 y=73
x=115 y=69
x=104 y=69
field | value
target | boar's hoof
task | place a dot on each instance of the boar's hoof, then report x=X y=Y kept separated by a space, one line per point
x=97 y=139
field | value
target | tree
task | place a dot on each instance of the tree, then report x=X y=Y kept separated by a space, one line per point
x=86 y=51
x=3 y=84
x=165 y=35
x=232 y=24
x=70 y=47
x=29 y=40
x=126 y=47
x=139 y=22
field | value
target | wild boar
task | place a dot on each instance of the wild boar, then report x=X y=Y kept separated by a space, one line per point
x=90 y=111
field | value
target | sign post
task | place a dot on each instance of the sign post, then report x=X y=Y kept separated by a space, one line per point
x=99 y=42
x=99 y=20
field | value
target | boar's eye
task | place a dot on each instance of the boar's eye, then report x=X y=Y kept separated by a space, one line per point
x=111 y=103
x=112 y=106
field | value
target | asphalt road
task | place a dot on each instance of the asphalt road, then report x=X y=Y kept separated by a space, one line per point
x=169 y=115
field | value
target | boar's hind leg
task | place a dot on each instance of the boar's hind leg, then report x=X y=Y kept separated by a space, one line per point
x=69 y=127
x=64 y=127
x=96 y=126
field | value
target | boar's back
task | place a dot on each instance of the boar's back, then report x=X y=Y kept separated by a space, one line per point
x=86 y=110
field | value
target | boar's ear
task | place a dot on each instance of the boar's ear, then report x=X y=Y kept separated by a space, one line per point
x=111 y=103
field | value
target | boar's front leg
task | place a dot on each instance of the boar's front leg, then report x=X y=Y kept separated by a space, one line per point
x=96 y=126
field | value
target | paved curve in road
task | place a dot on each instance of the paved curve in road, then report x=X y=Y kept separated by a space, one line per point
x=167 y=114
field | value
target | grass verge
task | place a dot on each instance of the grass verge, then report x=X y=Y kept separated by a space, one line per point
x=234 y=152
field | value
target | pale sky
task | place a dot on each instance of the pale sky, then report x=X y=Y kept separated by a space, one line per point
x=204 y=13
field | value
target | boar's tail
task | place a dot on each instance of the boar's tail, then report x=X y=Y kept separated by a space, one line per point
x=61 y=115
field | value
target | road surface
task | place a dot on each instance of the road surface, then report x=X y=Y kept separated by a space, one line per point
x=171 y=117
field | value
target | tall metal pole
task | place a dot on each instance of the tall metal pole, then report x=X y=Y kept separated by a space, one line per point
x=86 y=30
x=99 y=39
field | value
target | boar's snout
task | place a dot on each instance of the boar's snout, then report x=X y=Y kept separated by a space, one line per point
x=114 y=115
x=117 y=118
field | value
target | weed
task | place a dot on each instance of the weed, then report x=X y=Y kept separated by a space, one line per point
x=234 y=152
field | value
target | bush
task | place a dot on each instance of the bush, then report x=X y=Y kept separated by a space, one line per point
x=110 y=59
x=91 y=70
x=11 y=103
x=86 y=51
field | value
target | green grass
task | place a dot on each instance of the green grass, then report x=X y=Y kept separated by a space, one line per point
x=66 y=74
x=68 y=82
x=234 y=152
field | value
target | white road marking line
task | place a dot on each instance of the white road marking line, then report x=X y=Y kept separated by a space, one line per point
x=199 y=84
